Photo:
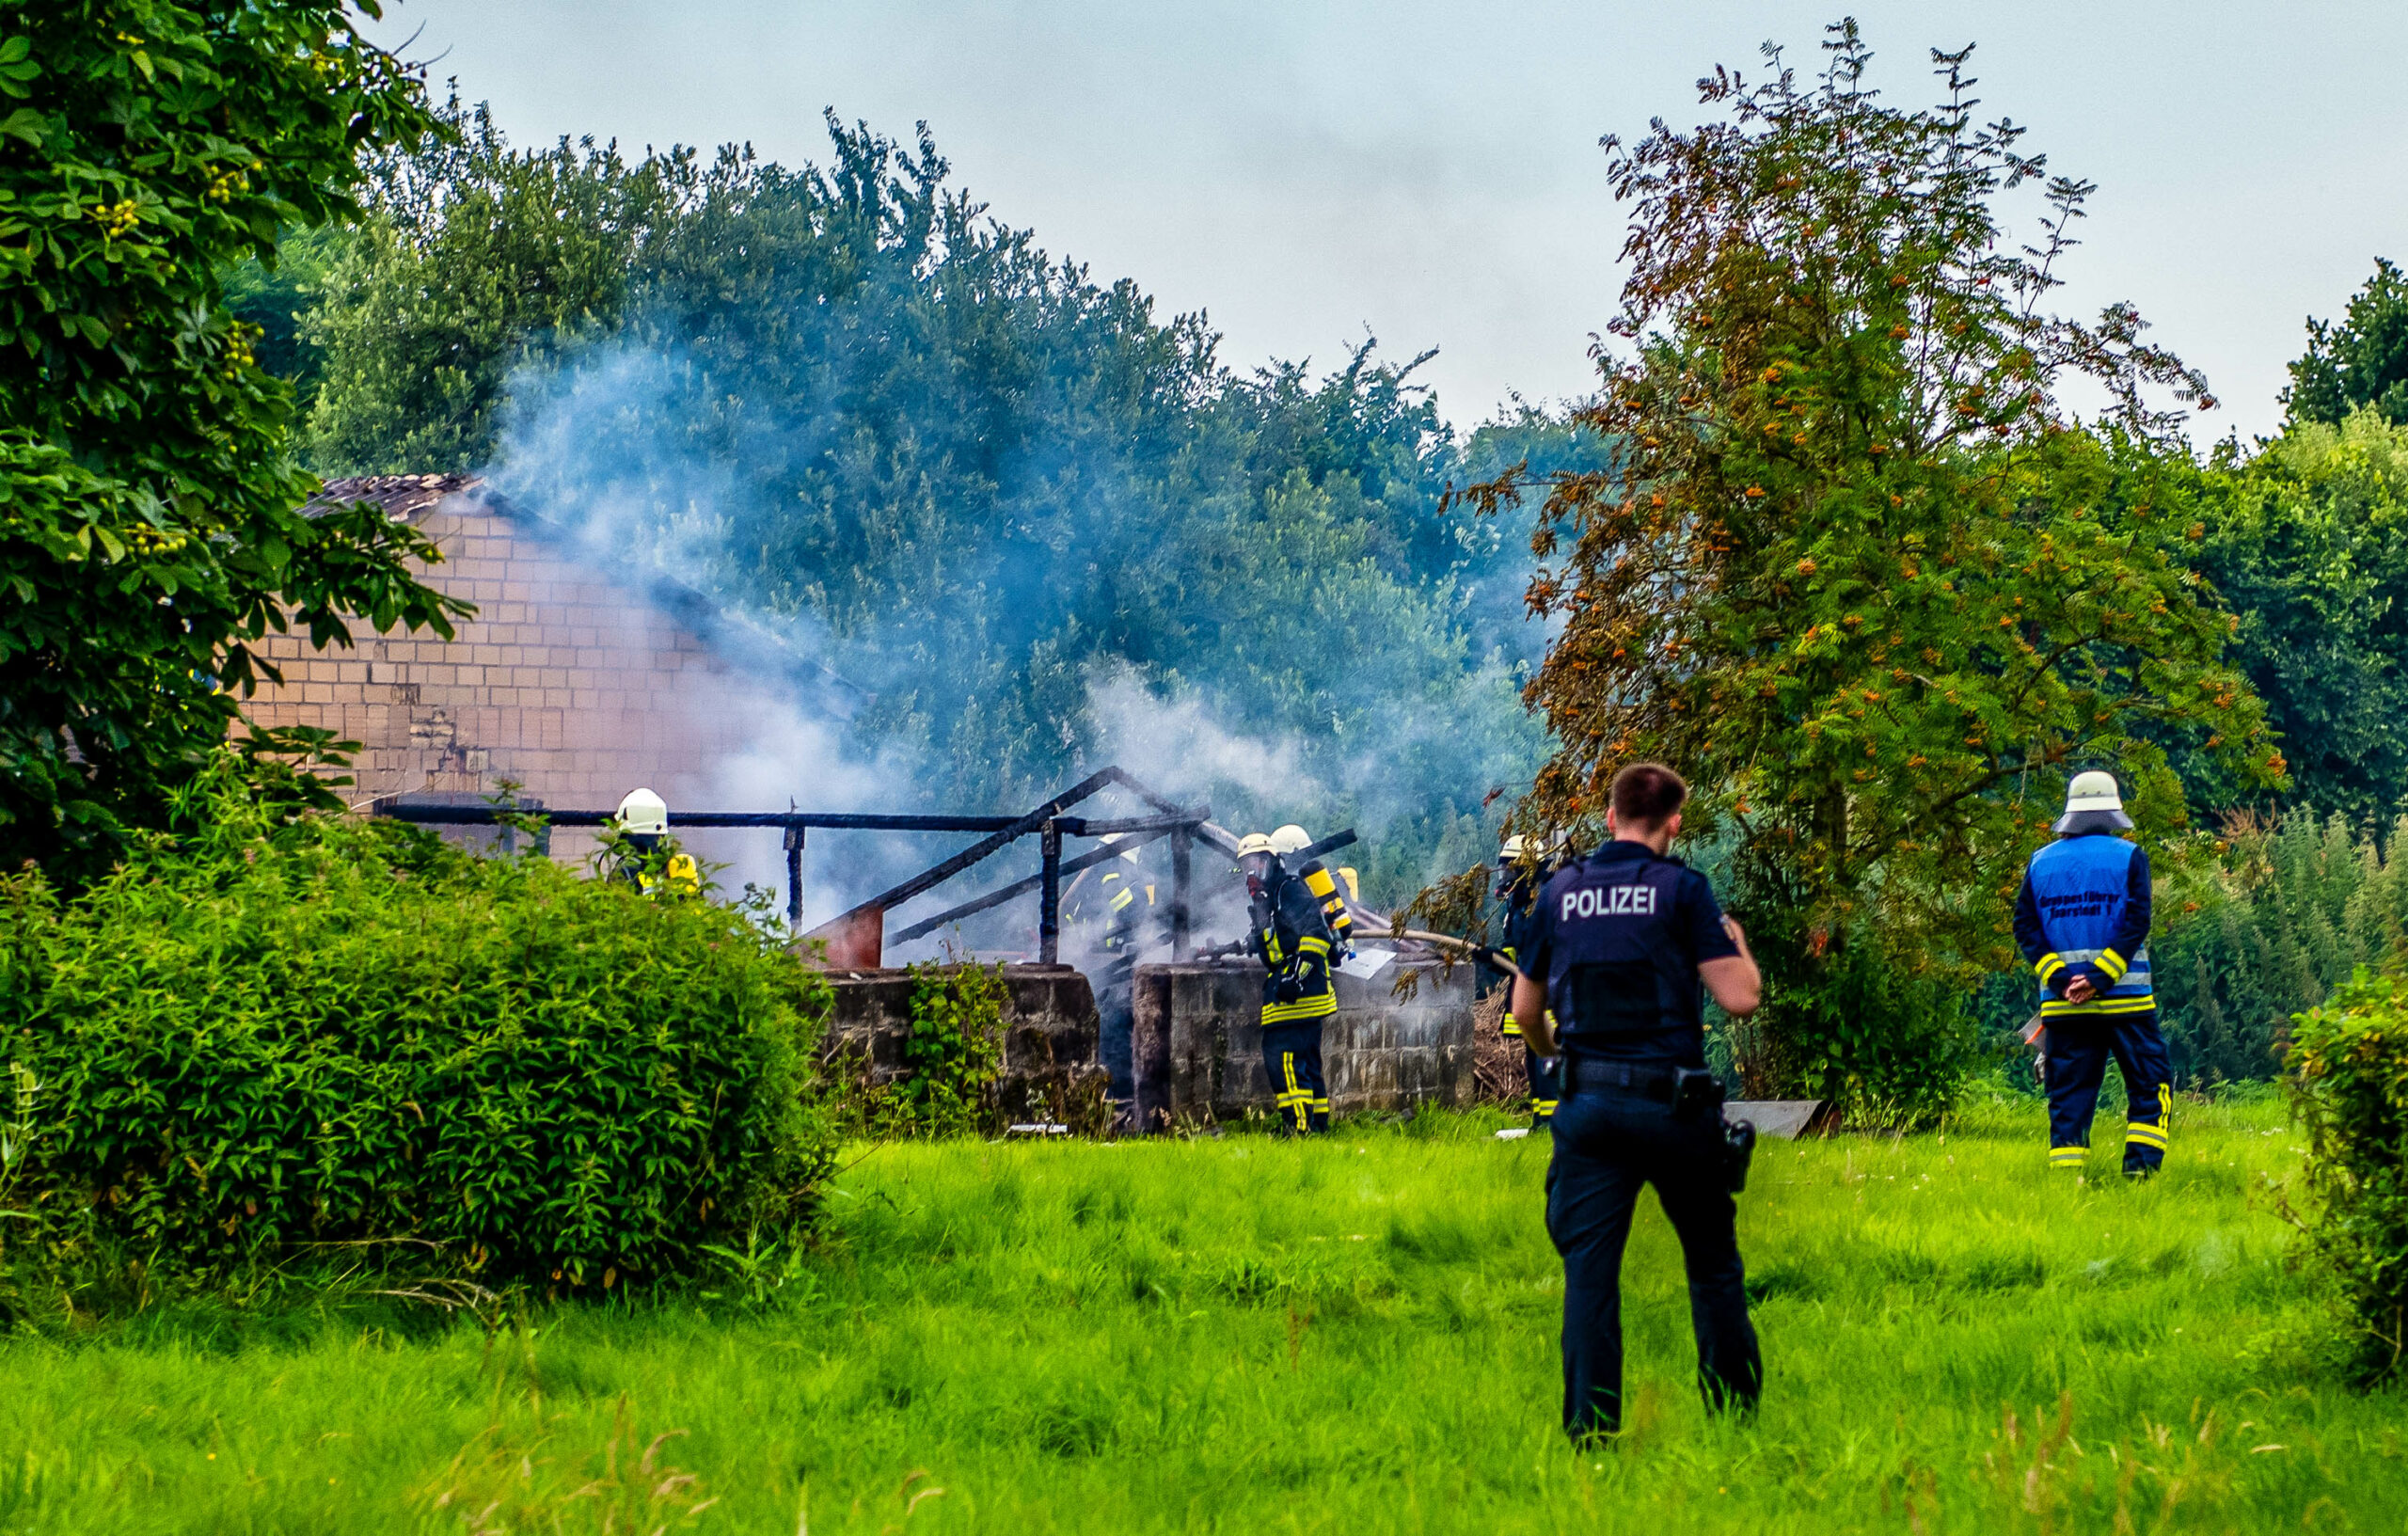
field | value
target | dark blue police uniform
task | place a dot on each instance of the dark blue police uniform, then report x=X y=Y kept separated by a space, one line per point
x=1617 y=940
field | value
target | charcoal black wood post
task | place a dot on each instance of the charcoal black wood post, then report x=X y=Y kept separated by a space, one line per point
x=1048 y=897
x=794 y=878
x=1182 y=846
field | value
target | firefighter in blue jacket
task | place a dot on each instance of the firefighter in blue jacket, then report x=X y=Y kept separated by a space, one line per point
x=1291 y=935
x=1518 y=892
x=2083 y=923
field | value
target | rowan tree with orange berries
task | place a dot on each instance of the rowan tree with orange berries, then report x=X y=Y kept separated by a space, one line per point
x=1855 y=568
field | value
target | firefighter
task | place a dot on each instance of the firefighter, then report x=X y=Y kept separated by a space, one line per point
x=2083 y=923
x=643 y=825
x=1517 y=889
x=1286 y=843
x=1291 y=935
x=1620 y=948
x=1116 y=907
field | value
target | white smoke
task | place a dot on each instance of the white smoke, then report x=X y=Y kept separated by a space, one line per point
x=1178 y=748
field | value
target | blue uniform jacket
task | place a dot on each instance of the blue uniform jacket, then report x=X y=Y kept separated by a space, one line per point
x=2084 y=911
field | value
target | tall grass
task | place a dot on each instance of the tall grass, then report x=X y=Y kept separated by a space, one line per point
x=1243 y=1335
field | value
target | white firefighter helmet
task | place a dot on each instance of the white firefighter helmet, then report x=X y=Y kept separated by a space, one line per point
x=1255 y=843
x=1290 y=838
x=1112 y=840
x=643 y=812
x=1513 y=848
x=2094 y=794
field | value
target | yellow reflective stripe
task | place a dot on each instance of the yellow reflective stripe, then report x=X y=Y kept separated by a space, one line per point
x=1313 y=944
x=1123 y=899
x=2142 y=1134
x=2056 y=1007
x=1303 y=1007
x=1512 y=1027
x=2114 y=964
x=2047 y=965
x=2069 y=1154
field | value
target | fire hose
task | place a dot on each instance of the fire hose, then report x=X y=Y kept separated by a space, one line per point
x=1444 y=941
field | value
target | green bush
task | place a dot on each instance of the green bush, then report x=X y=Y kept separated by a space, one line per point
x=1888 y=1044
x=2349 y=1078
x=2298 y=906
x=280 y=1030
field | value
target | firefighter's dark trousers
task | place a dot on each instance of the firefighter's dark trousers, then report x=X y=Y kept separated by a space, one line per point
x=1606 y=1144
x=1546 y=1084
x=2077 y=1050
x=1292 y=1055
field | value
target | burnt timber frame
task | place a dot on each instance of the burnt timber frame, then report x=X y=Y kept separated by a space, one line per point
x=1184 y=826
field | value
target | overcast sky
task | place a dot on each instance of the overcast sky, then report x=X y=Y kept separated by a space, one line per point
x=1431 y=171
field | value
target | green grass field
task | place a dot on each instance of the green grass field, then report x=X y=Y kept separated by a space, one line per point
x=1243 y=1335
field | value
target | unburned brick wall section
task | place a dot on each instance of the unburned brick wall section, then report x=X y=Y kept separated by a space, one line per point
x=1199 y=1043
x=562 y=682
x=1051 y=1068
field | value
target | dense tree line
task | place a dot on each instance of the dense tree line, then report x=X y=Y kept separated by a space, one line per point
x=1823 y=534
x=973 y=480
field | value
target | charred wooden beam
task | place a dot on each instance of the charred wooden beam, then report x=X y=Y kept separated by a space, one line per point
x=1049 y=895
x=487 y=816
x=1017 y=827
x=1020 y=888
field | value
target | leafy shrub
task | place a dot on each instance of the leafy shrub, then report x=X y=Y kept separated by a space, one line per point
x=2299 y=904
x=1887 y=1043
x=2349 y=1065
x=289 y=1029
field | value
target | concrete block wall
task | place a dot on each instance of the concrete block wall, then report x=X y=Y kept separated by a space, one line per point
x=1199 y=1043
x=1051 y=1068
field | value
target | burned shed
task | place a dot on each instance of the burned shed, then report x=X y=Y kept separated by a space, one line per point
x=576 y=683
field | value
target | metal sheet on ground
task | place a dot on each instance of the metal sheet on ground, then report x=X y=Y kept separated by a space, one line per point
x=1784 y=1120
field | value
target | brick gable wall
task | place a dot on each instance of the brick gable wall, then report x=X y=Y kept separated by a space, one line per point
x=571 y=686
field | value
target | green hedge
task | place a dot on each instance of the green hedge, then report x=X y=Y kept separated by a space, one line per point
x=2349 y=1065
x=280 y=1030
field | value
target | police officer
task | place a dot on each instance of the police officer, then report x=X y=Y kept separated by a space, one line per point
x=1114 y=909
x=1617 y=950
x=1291 y=935
x=2083 y=923
x=1518 y=891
